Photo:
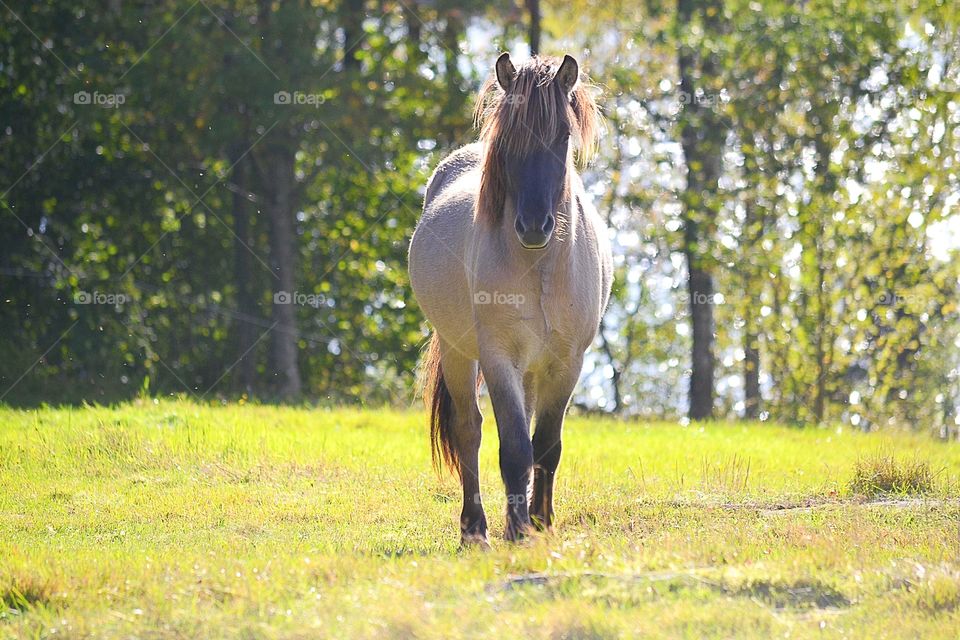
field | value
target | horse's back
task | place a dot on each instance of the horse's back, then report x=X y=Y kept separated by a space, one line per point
x=438 y=247
x=455 y=166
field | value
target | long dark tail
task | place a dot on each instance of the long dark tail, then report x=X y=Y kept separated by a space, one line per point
x=437 y=398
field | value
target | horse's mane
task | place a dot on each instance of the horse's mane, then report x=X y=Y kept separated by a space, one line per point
x=529 y=115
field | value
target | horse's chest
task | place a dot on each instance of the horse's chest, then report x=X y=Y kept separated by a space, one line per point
x=548 y=326
x=540 y=312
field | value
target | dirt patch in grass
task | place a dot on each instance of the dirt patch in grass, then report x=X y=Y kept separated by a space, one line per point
x=801 y=594
x=813 y=503
x=884 y=475
x=216 y=472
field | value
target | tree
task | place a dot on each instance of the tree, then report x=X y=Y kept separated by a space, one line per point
x=533 y=30
x=702 y=138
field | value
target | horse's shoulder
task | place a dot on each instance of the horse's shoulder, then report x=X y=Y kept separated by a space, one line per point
x=598 y=242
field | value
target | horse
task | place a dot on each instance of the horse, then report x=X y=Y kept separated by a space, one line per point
x=511 y=265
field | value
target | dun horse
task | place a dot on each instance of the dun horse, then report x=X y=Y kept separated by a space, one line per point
x=512 y=267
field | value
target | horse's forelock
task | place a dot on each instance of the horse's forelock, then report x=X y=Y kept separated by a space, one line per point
x=531 y=113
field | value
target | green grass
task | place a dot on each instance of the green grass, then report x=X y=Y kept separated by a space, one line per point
x=178 y=520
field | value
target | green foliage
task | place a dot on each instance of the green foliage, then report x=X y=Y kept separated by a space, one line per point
x=139 y=200
x=824 y=239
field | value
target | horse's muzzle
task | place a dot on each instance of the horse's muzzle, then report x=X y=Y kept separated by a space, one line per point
x=533 y=238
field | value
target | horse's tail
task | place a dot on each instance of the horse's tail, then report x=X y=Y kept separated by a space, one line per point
x=437 y=398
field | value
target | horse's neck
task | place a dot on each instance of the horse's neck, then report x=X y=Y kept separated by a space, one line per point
x=570 y=211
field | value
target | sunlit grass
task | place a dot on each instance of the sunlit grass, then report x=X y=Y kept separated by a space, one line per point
x=174 y=519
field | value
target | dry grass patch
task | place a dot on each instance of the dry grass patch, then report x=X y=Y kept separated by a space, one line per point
x=884 y=475
x=20 y=592
x=933 y=589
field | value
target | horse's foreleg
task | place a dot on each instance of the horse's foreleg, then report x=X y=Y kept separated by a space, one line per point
x=553 y=397
x=516 y=452
x=460 y=375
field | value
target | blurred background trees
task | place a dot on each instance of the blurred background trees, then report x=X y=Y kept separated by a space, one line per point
x=215 y=199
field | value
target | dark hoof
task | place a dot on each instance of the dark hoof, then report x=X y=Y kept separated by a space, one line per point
x=541 y=524
x=516 y=531
x=474 y=541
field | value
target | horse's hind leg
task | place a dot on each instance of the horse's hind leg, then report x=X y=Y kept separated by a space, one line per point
x=552 y=399
x=460 y=375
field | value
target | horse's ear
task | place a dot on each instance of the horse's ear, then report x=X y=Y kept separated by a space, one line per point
x=506 y=72
x=568 y=74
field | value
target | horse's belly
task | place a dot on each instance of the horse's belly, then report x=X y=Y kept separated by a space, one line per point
x=438 y=274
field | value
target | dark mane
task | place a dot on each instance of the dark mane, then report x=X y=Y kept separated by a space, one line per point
x=514 y=123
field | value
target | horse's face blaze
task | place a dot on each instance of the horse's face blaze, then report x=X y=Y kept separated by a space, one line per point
x=539 y=180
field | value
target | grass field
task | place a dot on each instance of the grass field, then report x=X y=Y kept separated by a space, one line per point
x=177 y=520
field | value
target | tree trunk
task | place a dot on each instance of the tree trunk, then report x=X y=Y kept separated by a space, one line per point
x=351 y=21
x=751 y=370
x=274 y=164
x=456 y=96
x=617 y=370
x=752 y=283
x=826 y=185
x=701 y=140
x=533 y=31
x=246 y=332
x=414 y=29
x=820 y=400
x=700 y=289
x=279 y=188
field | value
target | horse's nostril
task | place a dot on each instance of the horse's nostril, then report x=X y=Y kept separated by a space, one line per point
x=521 y=229
x=548 y=224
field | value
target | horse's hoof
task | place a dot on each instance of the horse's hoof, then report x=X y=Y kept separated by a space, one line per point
x=474 y=541
x=517 y=532
x=540 y=525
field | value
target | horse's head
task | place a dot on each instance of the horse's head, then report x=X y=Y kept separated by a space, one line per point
x=532 y=119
